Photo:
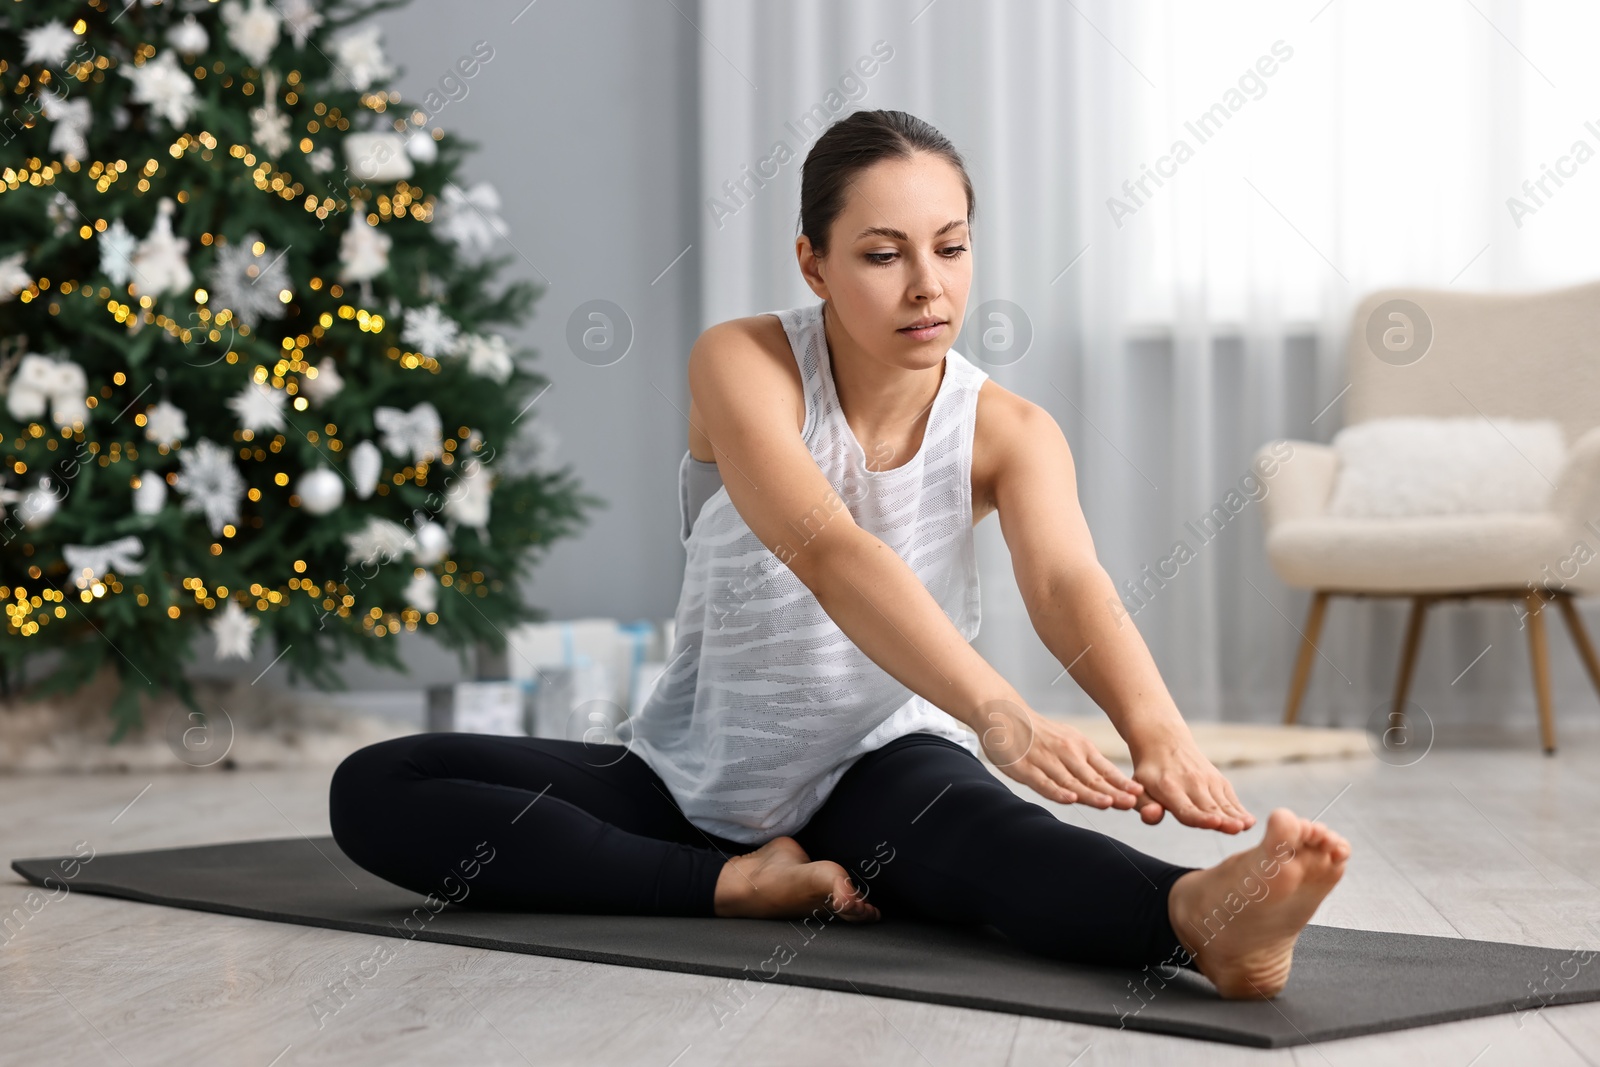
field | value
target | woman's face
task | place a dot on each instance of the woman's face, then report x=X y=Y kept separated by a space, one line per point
x=898 y=253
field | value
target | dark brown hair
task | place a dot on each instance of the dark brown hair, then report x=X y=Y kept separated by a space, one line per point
x=850 y=146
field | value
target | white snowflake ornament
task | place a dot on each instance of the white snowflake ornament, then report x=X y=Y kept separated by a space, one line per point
x=259 y=406
x=210 y=483
x=379 y=541
x=161 y=265
x=269 y=127
x=359 y=58
x=63 y=212
x=301 y=19
x=252 y=30
x=234 y=630
x=165 y=86
x=429 y=330
x=487 y=355
x=471 y=219
x=70 y=119
x=250 y=279
x=165 y=423
x=364 y=249
x=47 y=45
x=117 y=247
x=529 y=451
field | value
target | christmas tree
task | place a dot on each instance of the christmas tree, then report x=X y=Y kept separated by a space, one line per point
x=249 y=374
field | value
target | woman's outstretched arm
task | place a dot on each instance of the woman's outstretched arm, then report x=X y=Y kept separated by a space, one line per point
x=749 y=408
x=1076 y=611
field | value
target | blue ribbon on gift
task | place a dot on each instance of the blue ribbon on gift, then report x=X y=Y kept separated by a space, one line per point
x=641 y=632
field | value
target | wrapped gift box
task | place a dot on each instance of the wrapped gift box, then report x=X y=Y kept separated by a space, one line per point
x=586 y=675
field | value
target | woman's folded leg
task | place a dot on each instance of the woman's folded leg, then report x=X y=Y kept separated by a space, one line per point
x=928 y=831
x=532 y=824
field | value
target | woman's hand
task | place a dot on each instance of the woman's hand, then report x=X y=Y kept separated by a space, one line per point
x=1055 y=760
x=1178 y=778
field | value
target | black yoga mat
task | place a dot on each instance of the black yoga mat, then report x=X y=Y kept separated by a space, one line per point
x=1345 y=982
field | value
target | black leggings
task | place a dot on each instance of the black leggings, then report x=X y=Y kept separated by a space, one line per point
x=923 y=827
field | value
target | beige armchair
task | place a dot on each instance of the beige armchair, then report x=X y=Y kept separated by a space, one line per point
x=1436 y=353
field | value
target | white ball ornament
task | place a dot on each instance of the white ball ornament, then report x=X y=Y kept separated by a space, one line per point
x=189 y=37
x=320 y=491
x=432 y=543
x=421 y=147
x=38 y=505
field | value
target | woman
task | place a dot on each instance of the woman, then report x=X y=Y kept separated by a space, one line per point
x=804 y=747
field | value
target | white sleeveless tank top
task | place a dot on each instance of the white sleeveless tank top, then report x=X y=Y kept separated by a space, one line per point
x=765 y=702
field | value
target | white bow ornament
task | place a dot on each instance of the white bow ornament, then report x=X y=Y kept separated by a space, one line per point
x=415 y=433
x=39 y=381
x=98 y=559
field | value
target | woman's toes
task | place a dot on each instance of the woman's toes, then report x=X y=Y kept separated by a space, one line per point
x=850 y=905
x=1284 y=825
x=1252 y=954
x=1329 y=845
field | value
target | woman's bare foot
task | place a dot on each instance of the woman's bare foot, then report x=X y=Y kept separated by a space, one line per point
x=1240 y=918
x=779 y=881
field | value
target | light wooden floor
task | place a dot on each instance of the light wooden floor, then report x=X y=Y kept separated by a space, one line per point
x=1471 y=843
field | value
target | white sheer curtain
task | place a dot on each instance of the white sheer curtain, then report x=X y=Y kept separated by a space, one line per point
x=1332 y=148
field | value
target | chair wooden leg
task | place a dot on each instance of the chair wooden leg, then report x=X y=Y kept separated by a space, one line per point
x=1408 y=658
x=1540 y=661
x=1308 y=648
x=1580 y=637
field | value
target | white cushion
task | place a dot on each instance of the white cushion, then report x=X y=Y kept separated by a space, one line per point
x=1413 y=466
x=1429 y=553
